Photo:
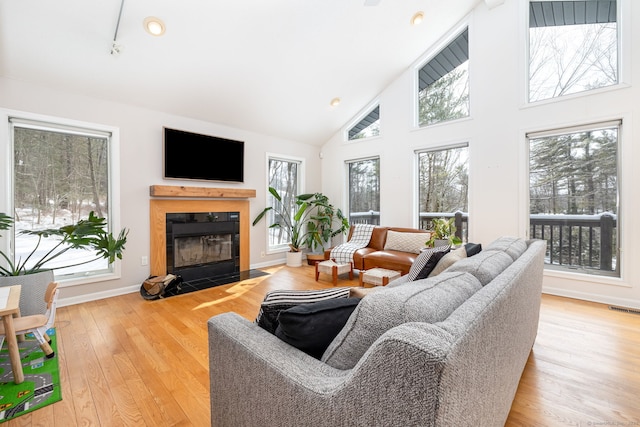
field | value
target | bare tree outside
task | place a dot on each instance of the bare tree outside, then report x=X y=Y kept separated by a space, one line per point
x=367 y=127
x=445 y=99
x=443 y=180
x=283 y=176
x=566 y=58
x=573 y=184
x=364 y=191
x=59 y=177
x=573 y=197
x=443 y=83
x=372 y=130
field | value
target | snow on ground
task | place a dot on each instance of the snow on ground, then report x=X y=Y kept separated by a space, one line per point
x=24 y=244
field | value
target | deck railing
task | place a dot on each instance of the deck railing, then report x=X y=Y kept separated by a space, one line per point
x=573 y=241
x=461 y=222
x=578 y=241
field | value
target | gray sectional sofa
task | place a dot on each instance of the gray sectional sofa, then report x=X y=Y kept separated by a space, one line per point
x=444 y=351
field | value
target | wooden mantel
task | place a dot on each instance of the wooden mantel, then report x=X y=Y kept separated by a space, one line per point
x=200 y=192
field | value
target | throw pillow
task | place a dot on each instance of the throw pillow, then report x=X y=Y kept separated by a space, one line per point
x=472 y=248
x=312 y=327
x=276 y=301
x=431 y=264
x=422 y=260
x=406 y=242
x=448 y=260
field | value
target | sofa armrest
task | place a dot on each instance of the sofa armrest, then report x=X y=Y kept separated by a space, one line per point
x=256 y=379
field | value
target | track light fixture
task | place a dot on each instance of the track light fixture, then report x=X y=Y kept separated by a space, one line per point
x=115 y=47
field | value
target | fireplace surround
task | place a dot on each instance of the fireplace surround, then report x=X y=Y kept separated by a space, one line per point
x=179 y=200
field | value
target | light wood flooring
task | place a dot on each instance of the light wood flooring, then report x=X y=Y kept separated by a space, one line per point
x=126 y=361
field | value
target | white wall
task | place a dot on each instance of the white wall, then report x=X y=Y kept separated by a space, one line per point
x=495 y=132
x=140 y=132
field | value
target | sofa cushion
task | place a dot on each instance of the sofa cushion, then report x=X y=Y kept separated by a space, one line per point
x=428 y=300
x=513 y=246
x=406 y=242
x=485 y=266
x=423 y=259
x=276 y=301
x=312 y=327
x=448 y=260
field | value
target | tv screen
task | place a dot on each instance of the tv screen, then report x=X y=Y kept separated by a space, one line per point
x=202 y=157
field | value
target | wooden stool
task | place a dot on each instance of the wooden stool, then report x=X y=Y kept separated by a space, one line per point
x=378 y=276
x=331 y=267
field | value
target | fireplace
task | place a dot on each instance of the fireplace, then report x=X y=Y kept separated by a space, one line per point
x=176 y=204
x=202 y=245
x=212 y=232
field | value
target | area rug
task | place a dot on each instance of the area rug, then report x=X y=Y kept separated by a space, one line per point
x=41 y=384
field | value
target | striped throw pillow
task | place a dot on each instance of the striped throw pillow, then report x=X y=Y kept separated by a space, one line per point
x=276 y=301
x=423 y=259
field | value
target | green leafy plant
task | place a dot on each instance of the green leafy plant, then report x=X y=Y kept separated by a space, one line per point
x=443 y=229
x=310 y=223
x=325 y=223
x=88 y=234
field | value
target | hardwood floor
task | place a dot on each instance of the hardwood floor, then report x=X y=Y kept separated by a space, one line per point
x=127 y=361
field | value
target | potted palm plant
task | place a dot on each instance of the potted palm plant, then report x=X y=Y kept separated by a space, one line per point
x=325 y=223
x=443 y=233
x=35 y=269
x=308 y=222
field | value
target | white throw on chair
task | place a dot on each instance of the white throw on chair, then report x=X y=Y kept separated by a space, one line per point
x=38 y=324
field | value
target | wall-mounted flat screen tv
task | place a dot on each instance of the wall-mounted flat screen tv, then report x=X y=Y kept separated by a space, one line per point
x=202 y=157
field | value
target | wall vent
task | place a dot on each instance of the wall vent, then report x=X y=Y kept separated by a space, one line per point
x=624 y=309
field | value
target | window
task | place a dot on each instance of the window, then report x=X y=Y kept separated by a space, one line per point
x=364 y=191
x=573 y=197
x=284 y=176
x=60 y=174
x=443 y=186
x=443 y=84
x=573 y=47
x=367 y=127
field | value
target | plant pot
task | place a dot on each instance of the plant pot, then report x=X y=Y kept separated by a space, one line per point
x=33 y=288
x=294 y=259
x=313 y=258
x=441 y=242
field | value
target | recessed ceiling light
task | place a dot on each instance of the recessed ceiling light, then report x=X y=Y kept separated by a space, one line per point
x=335 y=102
x=154 y=26
x=417 y=18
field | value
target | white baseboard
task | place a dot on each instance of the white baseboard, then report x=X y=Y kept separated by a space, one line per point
x=63 y=302
x=603 y=299
x=267 y=264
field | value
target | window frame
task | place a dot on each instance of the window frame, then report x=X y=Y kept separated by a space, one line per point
x=359 y=119
x=416 y=181
x=616 y=276
x=114 y=271
x=348 y=164
x=623 y=53
x=275 y=249
x=434 y=51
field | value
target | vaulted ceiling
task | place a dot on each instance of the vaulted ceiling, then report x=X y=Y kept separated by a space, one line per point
x=268 y=66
